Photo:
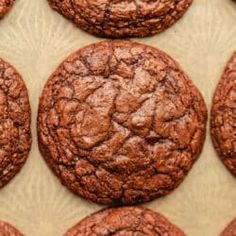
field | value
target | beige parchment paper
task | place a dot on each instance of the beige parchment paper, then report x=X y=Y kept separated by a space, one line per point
x=35 y=39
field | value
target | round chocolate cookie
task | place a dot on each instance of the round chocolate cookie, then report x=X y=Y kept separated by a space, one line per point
x=230 y=229
x=223 y=116
x=125 y=221
x=122 y=18
x=120 y=123
x=15 y=137
x=8 y=230
x=5 y=6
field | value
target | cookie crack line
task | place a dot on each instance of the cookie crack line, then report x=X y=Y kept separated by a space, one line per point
x=120 y=123
x=119 y=19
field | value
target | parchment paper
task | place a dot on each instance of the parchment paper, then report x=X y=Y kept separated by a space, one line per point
x=35 y=39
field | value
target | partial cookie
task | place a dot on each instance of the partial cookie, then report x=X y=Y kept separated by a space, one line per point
x=8 y=230
x=119 y=19
x=5 y=6
x=120 y=123
x=223 y=116
x=125 y=221
x=15 y=137
x=230 y=229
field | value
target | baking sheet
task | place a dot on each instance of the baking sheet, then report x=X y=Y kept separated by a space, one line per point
x=35 y=39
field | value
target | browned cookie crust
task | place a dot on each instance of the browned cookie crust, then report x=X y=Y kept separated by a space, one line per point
x=125 y=221
x=5 y=6
x=230 y=229
x=8 y=230
x=223 y=116
x=15 y=137
x=122 y=18
x=120 y=122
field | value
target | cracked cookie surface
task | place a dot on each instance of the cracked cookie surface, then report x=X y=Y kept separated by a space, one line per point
x=15 y=136
x=5 y=6
x=223 y=116
x=230 y=229
x=120 y=123
x=8 y=230
x=122 y=18
x=129 y=221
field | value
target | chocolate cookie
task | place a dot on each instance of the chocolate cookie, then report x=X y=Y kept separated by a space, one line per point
x=5 y=6
x=125 y=221
x=8 y=230
x=117 y=19
x=230 y=230
x=223 y=116
x=15 y=137
x=120 y=123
